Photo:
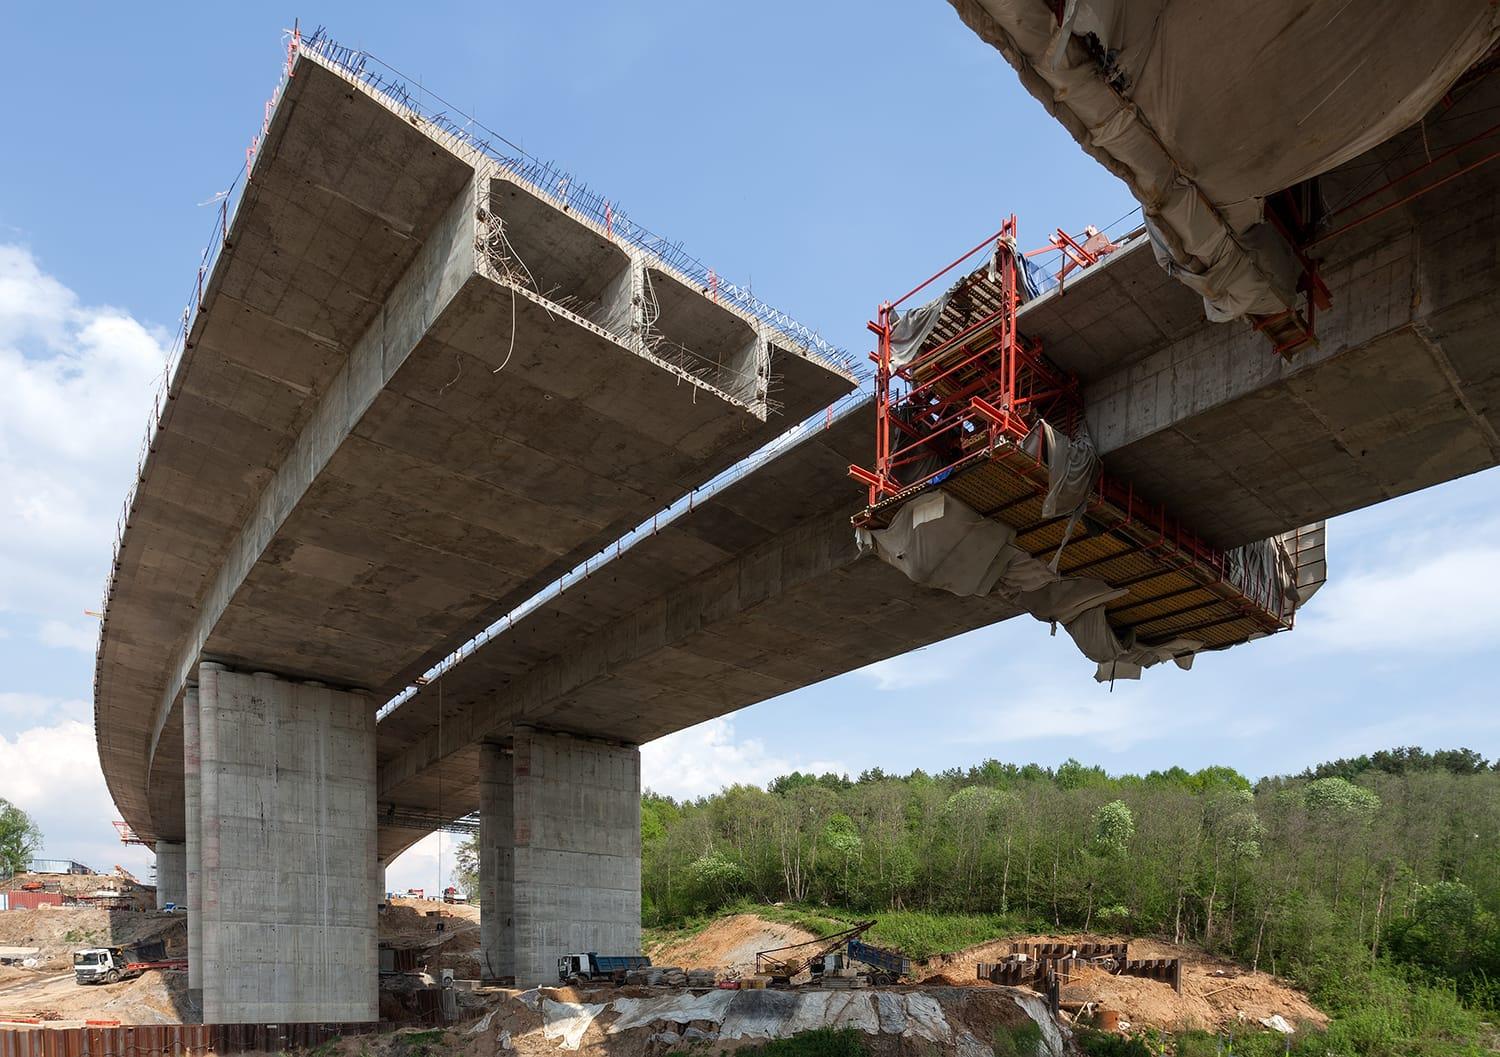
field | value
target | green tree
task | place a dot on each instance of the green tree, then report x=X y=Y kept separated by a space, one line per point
x=466 y=867
x=1113 y=828
x=20 y=838
x=716 y=877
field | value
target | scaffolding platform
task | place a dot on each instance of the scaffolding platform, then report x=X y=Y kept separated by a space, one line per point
x=961 y=402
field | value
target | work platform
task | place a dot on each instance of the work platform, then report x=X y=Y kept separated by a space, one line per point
x=968 y=406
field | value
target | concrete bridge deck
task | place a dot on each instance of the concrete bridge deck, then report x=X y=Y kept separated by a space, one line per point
x=415 y=391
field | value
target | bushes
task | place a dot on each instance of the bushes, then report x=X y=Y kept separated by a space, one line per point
x=1018 y=1040
x=1108 y=1044
x=822 y=1042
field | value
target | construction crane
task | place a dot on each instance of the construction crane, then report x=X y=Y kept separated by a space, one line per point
x=783 y=964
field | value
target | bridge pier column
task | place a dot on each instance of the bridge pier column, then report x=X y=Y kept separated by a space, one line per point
x=287 y=808
x=171 y=874
x=576 y=853
x=497 y=933
x=191 y=774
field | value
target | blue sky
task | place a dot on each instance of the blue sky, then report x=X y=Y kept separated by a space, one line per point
x=829 y=154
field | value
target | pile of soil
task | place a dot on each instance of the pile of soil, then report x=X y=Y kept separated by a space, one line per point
x=140 y=897
x=405 y=924
x=729 y=944
x=59 y=931
x=1216 y=993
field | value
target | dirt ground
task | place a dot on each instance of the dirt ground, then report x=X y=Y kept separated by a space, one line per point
x=154 y=998
x=729 y=944
x=1215 y=993
x=139 y=896
x=49 y=991
x=59 y=931
x=415 y=924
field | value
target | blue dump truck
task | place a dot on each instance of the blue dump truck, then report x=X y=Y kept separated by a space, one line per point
x=890 y=966
x=578 y=968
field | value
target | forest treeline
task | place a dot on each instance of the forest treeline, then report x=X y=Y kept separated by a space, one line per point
x=1387 y=859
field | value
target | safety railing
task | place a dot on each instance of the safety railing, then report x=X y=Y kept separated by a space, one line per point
x=966 y=395
x=565 y=190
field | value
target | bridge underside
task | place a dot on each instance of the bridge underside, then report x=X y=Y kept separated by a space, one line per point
x=384 y=436
x=416 y=391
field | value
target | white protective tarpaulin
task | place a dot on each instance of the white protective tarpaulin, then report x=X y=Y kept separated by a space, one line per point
x=941 y=542
x=682 y=1007
x=568 y=1020
x=1206 y=109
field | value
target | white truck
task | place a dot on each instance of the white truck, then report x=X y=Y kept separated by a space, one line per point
x=109 y=965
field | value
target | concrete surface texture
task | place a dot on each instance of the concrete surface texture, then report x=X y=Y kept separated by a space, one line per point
x=171 y=874
x=497 y=832
x=678 y=629
x=288 y=851
x=192 y=771
x=576 y=884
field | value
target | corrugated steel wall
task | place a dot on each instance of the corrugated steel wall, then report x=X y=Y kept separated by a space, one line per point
x=174 y=1040
x=19 y=900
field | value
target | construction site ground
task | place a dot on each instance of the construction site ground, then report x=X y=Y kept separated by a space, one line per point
x=618 y=1022
x=728 y=944
x=446 y=936
x=1216 y=994
x=80 y=886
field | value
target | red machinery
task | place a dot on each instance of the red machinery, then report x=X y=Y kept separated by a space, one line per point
x=960 y=393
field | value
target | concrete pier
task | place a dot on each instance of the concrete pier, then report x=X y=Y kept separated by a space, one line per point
x=192 y=770
x=577 y=855
x=560 y=854
x=497 y=933
x=171 y=874
x=287 y=805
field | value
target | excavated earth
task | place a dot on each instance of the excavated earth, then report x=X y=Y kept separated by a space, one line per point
x=729 y=944
x=1216 y=994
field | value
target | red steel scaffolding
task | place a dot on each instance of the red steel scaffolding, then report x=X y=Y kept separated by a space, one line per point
x=959 y=410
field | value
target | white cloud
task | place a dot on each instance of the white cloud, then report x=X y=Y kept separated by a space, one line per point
x=703 y=759
x=79 y=382
x=1446 y=602
x=81 y=636
x=427 y=864
x=52 y=773
x=903 y=673
x=22 y=709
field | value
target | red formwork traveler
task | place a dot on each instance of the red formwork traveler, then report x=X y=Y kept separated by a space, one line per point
x=958 y=407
